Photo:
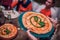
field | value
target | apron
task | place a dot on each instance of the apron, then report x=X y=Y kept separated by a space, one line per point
x=46 y=12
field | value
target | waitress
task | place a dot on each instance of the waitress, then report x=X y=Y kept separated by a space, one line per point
x=49 y=11
x=22 y=5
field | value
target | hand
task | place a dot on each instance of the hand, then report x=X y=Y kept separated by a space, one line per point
x=31 y=36
x=53 y=21
x=28 y=31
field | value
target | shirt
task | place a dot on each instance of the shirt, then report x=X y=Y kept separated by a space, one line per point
x=46 y=12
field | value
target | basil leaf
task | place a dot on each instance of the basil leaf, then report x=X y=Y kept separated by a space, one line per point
x=42 y=24
x=7 y=31
x=40 y=20
x=36 y=18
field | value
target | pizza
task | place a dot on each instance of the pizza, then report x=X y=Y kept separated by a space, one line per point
x=8 y=31
x=36 y=22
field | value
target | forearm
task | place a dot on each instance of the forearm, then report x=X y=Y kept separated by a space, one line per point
x=22 y=8
x=31 y=36
x=29 y=6
x=14 y=3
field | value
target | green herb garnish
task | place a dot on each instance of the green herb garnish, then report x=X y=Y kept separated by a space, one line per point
x=36 y=18
x=42 y=24
x=7 y=31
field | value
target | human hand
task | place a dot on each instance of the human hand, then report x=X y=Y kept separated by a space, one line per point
x=28 y=31
x=31 y=36
x=54 y=22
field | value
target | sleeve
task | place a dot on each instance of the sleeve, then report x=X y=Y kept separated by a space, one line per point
x=26 y=9
x=58 y=13
x=13 y=4
x=54 y=13
x=29 y=6
x=37 y=7
x=22 y=8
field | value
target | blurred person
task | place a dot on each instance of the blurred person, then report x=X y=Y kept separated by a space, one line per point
x=37 y=5
x=6 y=3
x=22 y=5
x=47 y=10
x=56 y=35
x=50 y=11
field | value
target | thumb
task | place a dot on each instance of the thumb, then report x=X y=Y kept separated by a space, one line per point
x=28 y=31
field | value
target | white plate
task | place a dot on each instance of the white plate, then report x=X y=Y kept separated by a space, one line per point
x=14 y=14
x=2 y=7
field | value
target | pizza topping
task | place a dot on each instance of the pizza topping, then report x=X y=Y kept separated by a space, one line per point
x=42 y=24
x=36 y=18
x=7 y=31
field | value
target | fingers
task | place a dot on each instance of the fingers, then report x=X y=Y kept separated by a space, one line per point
x=52 y=20
x=28 y=30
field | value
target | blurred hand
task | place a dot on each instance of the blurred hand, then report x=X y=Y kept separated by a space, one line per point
x=28 y=31
x=31 y=36
x=54 y=22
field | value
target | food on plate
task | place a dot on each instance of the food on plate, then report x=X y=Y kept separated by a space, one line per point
x=13 y=14
x=8 y=31
x=36 y=22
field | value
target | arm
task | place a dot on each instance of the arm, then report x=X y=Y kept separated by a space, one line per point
x=31 y=36
x=26 y=9
x=29 y=6
x=13 y=4
x=22 y=8
x=54 y=22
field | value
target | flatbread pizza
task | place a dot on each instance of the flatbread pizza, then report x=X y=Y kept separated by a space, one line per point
x=8 y=31
x=36 y=22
